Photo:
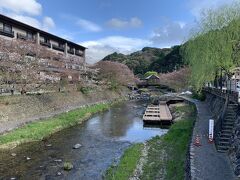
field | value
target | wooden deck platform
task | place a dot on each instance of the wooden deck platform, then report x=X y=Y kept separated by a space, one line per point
x=157 y=114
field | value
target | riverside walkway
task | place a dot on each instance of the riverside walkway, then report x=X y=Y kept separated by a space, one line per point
x=205 y=162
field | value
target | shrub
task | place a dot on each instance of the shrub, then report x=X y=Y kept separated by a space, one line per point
x=199 y=95
x=149 y=73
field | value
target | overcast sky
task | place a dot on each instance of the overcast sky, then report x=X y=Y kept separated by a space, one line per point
x=106 y=26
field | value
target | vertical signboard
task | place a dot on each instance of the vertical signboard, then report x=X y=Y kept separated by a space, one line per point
x=211 y=130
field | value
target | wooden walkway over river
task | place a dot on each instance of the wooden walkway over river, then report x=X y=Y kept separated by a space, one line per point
x=158 y=113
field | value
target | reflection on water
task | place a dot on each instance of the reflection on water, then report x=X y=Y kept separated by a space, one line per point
x=104 y=138
x=156 y=126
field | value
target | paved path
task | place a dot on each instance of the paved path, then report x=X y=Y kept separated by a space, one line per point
x=205 y=162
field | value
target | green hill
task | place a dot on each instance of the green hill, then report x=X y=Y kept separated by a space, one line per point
x=150 y=59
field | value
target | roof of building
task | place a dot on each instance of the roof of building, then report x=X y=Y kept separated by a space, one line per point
x=153 y=75
x=28 y=27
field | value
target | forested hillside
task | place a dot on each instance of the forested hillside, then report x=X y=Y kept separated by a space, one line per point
x=150 y=59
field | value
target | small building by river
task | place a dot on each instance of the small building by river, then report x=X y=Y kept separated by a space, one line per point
x=152 y=80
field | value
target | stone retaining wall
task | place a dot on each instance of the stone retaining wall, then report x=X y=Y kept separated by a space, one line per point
x=216 y=104
x=234 y=151
x=18 y=110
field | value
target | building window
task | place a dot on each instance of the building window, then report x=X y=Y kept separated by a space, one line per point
x=29 y=35
x=7 y=28
x=61 y=45
x=45 y=40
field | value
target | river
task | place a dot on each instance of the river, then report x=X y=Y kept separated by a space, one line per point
x=104 y=137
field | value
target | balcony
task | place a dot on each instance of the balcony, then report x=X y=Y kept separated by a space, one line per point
x=58 y=48
x=79 y=53
x=44 y=43
x=71 y=51
x=7 y=33
x=24 y=37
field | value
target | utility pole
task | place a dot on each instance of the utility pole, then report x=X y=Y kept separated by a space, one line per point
x=221 y=79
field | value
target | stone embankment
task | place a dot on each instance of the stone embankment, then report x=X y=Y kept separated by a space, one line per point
x=18 y=110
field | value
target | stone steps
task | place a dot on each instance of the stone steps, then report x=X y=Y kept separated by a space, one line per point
x=222 y=149
x=227 y=135
x=227 y=131
x=222 y=138
x=227 y=127
x=223 y=143
x=230 y=116
x=230 y=120
x=228 y=123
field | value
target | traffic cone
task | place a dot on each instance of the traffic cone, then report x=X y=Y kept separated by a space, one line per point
x=197 y=141
x=210 y=138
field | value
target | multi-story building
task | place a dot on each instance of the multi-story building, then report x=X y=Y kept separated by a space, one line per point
x=71 y=63
x=13 y=29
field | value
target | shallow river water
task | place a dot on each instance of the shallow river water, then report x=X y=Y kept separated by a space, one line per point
x=104 y=138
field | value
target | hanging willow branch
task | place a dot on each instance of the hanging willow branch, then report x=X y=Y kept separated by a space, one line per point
x=215 y=46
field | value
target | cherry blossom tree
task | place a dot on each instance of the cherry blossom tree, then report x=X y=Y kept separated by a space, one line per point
x=114 y=72
x=177 y=80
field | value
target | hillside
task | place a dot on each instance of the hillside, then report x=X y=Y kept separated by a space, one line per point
x=150 y=59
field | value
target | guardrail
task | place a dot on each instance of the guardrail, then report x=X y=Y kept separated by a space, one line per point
x=229 y=96
x=226 y=94
x=219 y=123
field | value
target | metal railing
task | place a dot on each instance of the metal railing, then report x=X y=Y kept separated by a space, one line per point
x=43 y=43
x=78 y=53
x=231 y=95
x=57 y=47
x=71 y=51
x=219 y=123
x=25 y=37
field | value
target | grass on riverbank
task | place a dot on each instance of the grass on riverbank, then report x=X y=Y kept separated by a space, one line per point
x=127 y=164
x=166 y=155
x=40 y=129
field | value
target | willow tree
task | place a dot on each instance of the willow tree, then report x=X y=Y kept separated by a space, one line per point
x=214 y=45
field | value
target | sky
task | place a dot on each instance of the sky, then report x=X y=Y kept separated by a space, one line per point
x=107 y=26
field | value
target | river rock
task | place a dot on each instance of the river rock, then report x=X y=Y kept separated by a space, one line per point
x=67 y=166
x=59 y=173
x=77 y=146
